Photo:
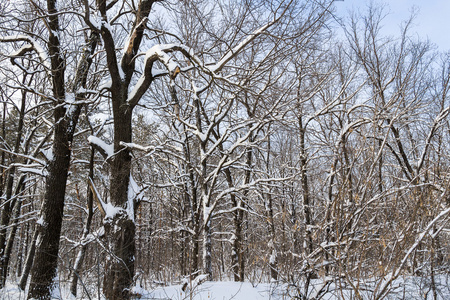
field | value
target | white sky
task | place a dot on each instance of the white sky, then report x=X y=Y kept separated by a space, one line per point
x=432 y=21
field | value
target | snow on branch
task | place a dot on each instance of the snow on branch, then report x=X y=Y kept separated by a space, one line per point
x=135 y=195
x=394 y=274
x=138 y=147
x=37 y=171
x=34 y=45
x=233 y=52
x=437 y=122
x=155 y=53
x=238 y=48
x=29 y=157
x=105 y=149
x=349 y=127
x=253 y=185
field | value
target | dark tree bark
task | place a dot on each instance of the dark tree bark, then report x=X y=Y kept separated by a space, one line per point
x=193 y=205
x=306 y=200
x=120 y=228
x=28 y=261
x=9 y=202
x=49 y=225
x=12 y=233
x=273 y=259
x=3 y=156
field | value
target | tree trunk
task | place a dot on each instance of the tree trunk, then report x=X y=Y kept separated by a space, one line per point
x=306 y=202
x=28 y=262
x=273 y=259
x=193 y=205
x=120 y=261
x=49 y=224
x=77 y=267
x=207 y=262
x=3 y=157
x=12 y=233
x=120 y=227
x=9 y=203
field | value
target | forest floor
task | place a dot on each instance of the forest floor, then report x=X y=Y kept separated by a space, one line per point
x=408 y=288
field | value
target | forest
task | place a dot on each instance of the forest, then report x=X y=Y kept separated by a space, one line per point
x=149 y=143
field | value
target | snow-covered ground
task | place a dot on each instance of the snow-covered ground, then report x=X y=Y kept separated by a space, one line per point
x=212 y=290
x=405 y=288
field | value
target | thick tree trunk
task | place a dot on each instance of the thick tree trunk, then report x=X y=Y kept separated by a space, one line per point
x=119 y=269
x=236 y=246
x=206 y=245
x=194 y=209
x=240 y=230
x=305 y=190
x=236 y=253
x=207 y=248
x=273 y=259
x=3 y=156
x=49 y=224
x=120 y=228
x=308 y=245
x=195 y=253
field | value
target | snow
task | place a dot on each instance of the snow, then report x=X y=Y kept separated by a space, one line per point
x=233 y=52
x=110 y=210
x=40 y=171
x=109 y=149
x=41 y=221
x=69 y=99
x=48 y=154
x=212 y=290
x=95 y=19
x=19 y=51
x=405 y=288
x=273 y=257
x=157 y=52
x=133 y=192
x=43 y=57
x=136 y=88
x=105 y=85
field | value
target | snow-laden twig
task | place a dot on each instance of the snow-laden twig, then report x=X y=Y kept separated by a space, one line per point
x=437 y=122
x=394 y=274
x=42 y=54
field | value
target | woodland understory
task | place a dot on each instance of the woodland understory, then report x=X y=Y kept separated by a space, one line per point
x=156 y=142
